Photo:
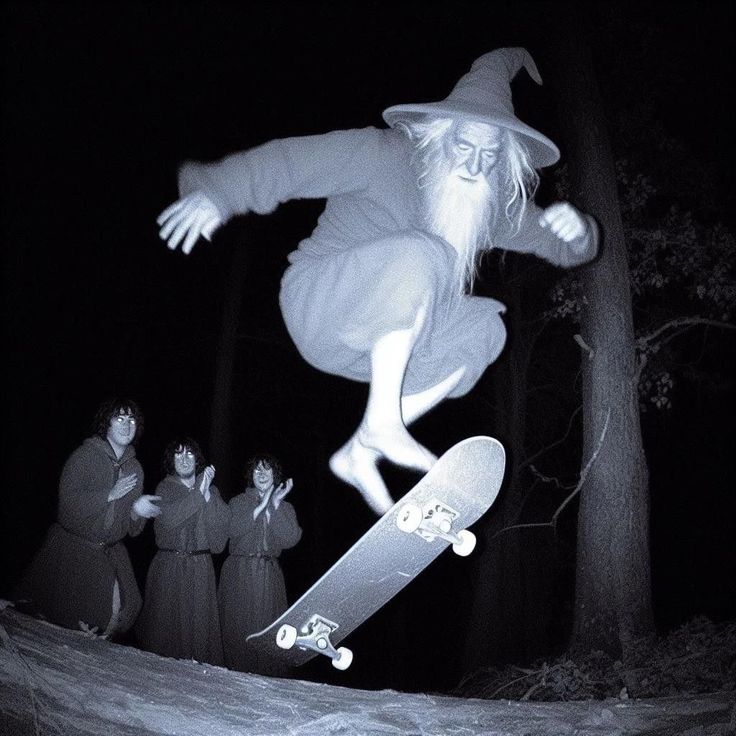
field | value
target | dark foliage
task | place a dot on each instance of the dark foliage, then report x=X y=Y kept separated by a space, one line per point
x=698 y=657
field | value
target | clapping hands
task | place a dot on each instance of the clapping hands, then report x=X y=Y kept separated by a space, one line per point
x=123 y=486
x=280 y=492
x=145 y=506
x=207 y=476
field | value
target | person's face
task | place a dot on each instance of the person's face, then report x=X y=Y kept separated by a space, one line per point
x=122 y=428
x=185 y=462
x=262 y=477
x=474 y=150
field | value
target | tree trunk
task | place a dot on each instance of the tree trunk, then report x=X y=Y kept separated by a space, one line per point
x=497 y=631
x=220 y=439
x=613 y=586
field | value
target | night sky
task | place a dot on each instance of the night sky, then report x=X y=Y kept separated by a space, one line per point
x=102 y=102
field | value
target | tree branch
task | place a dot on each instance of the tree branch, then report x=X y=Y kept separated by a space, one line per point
x=645 y=340
x=584 y=346
x=680 y=325
x=559 y=441
x=549 y=479
x=583 y=475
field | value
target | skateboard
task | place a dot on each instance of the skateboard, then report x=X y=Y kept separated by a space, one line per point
x=460 y=487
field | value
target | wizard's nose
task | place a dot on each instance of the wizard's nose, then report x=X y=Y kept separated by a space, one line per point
x=473 y=163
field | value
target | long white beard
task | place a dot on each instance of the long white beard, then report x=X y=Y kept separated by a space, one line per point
x=460 y=212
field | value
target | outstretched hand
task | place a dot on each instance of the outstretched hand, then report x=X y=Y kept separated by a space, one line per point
x=188 y=218
x=263 y=505
x=144 y=506
x=565 y=221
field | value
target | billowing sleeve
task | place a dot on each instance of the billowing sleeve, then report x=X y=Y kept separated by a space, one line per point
x=531 y=237
x=217 y=519
x=283 y=529
x=307 y=167
x=86 y=480
x=177 y=504
x=136 y=523
x=233 y=522
x=84 y=486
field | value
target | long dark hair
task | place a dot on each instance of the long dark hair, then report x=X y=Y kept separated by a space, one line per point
x=111 y=408
x=267 y=459
x=173 y=447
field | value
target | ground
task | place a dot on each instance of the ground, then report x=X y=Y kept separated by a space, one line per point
x=54 y=681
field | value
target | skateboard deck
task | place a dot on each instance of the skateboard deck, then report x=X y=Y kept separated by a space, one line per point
x=457 y=491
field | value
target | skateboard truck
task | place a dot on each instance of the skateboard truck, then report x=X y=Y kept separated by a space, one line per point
x=434 y=520
x=315 y=636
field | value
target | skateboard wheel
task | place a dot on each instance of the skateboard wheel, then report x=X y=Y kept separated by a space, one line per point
x=286 y=637
x=409 y=518
x=344 y=659
x=466 y=544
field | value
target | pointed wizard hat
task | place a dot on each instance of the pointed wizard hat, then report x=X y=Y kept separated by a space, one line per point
x=484 y=94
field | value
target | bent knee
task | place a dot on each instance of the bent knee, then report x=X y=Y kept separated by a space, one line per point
x=425 y=261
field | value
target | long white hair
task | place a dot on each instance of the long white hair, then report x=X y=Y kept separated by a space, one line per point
x=513 y=183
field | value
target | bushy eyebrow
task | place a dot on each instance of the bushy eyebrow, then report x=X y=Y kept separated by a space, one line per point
x=492 y=146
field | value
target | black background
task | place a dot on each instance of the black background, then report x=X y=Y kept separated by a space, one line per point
x=101 y=102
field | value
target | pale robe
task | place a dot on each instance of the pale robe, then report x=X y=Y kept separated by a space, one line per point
x=370 y=264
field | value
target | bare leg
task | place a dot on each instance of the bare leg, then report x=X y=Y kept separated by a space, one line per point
x=382 y=432
x=115 y=615
x=416 y=405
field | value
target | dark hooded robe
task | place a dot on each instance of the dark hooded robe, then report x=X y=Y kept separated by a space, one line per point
x=252 y=591
x=180 y=617
x=71 y=578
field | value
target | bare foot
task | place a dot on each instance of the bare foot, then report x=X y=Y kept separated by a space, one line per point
x=356 y=462
x=356 y=465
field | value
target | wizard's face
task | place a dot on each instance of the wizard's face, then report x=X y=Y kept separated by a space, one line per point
x=459 y=185
x=473 y=150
